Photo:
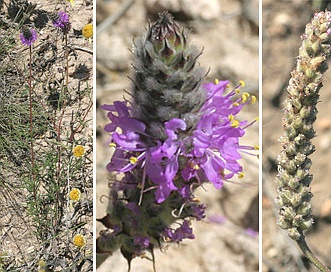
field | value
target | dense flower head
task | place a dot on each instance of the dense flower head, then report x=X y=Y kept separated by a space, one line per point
x=61 y=20
x=87 y=31
x=28 y=36
x=156 y=194
x=78 y=151
x=211 y=151
x=79 y=240
x=75 y=194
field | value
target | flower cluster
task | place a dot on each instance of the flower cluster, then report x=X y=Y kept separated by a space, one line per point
x=28 y=36
x=78 y=151
x=61 y=21
x=87 y=31
x=175 y=135
x=75 y=194
x=210 y=151
x=79 y=240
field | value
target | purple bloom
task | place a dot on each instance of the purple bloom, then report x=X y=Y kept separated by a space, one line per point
x=160 y=161
x=183 y=232
x=141 y=241
x=212 y=150
x=214 y=156
x=61 y=21
x=28 y=36
x=198 y=211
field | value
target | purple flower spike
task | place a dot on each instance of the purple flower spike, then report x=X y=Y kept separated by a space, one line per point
x=28 y=36
x=61 y=21
x=174 y=135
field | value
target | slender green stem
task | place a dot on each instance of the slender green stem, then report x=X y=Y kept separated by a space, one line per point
x=30 y=109
x=67 y=59
x=310 y=255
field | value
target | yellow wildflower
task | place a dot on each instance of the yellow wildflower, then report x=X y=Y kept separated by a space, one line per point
x=87 y=31
x=78 y=151
x=75 y=194
x=79 y=240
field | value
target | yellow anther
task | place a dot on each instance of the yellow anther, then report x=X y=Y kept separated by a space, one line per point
x=241 y=175
x=256 y=147
x=235 y=104
x=216 y=81
x=237 y=91
x=112 y=144
x=245 y=96
x=242 y=83
x=253 y=99
x=235 y=123
x=257 y=118
x=133 y=160
x=231 y=117
x=194 y=166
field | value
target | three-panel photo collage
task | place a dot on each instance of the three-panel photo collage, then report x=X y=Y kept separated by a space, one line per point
x=165 y=135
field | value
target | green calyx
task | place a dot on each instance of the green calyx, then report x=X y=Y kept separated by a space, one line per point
x=165 y=40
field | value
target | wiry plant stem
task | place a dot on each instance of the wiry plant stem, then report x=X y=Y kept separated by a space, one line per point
x=30 y=109
x=67 y=59
x=310 y=255
x=299 y=116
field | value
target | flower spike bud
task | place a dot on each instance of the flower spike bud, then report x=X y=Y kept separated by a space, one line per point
x=167 y=84
x=300 y=110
